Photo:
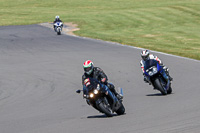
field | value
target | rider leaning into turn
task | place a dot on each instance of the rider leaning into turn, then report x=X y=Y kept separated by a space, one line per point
x=97 y=73
x=91 y=83
x=147 y=56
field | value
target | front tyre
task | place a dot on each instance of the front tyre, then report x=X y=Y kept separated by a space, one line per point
x=105 y=109
x=158 y=86
x=58 y=33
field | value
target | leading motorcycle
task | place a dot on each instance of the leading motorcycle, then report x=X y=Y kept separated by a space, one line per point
x=98 y=97
x=154 y=72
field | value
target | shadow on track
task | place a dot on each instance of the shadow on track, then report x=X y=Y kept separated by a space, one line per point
x=104 y=116
x=100 y=116
x=157 y=94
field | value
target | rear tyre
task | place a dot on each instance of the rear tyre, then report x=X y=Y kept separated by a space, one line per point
x=121 y=110
x=169 y=91
x=158 y=86
x=105 y=109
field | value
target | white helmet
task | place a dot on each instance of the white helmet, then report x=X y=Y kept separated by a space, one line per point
x=145 y=54
x=57 y=17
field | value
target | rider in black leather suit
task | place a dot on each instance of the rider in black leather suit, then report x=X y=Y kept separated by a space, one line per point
x=97 y=73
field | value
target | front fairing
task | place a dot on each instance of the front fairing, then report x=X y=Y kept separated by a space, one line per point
x=95 y=85
x=103 y=94
x=58 y=24
x=96 y=99
x=149 y=65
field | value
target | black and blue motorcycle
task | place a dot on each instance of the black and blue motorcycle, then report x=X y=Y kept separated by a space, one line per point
x=155 y=74
x=101 y=98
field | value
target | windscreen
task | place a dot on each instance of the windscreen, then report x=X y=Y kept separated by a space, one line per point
x=150 y=63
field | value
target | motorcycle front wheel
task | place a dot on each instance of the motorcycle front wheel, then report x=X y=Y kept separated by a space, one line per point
x=59 y=33
x=105 y=109
x=158 y=86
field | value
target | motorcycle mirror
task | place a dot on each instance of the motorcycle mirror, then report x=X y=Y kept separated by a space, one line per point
x=78 y=91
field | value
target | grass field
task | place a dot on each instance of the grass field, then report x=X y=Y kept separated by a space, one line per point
x=171 y=26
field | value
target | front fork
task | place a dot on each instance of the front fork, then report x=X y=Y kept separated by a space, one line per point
x=101 y=100
x=164 y=83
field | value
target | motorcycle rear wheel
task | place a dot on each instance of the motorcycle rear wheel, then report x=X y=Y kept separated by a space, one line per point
x=169 y=91
x=121 y=110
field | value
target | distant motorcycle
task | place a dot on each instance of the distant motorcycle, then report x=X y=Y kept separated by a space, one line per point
x=58 y=27
x=153 y=72
x=102 y=102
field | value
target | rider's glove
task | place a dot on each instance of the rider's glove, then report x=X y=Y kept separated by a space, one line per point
x=103 y=80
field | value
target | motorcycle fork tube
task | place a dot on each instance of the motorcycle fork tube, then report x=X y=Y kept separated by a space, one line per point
x=113 y=98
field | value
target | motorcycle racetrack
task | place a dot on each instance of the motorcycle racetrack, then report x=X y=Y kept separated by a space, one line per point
x=41 y=71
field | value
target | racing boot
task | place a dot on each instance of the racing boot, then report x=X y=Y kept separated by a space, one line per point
x=167 y=72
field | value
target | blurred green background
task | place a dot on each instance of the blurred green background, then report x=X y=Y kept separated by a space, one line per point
x=170 y=26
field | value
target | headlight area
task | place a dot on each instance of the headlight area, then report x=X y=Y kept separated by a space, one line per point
x=150 y=73
x=94 y=92
x=91 y=95
x=155 y=70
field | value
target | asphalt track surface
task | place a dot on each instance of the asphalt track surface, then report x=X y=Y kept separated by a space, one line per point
x=40 y=72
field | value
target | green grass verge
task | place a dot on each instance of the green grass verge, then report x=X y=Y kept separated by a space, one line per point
x=171 y=26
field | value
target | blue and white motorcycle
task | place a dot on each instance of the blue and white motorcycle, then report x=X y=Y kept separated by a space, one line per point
x=58 y=27
x=157 y=77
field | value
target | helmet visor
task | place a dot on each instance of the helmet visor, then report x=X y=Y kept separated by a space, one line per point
x=145 y=57
x=87 y=69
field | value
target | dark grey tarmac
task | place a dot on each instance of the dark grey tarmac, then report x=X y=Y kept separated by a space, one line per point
x=40 y=72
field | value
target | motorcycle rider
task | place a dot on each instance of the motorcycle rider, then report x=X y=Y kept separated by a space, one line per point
x=97 y=73
x=57 y=19
x=147 y=56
